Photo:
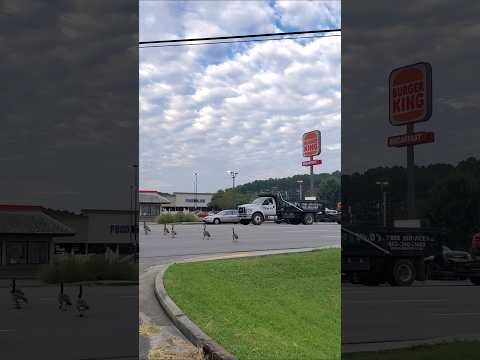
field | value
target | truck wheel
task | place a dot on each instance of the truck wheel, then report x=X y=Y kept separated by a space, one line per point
x=475 y=280
x=216 y=221
x=244 y=222
x=308 y=219
x=403 y=273
x=257 y=218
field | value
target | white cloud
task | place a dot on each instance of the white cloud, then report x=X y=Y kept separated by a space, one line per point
x=240 y=106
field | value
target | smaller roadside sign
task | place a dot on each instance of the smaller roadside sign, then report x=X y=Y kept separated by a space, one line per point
x=421 y=137
x=311 y=162
x=311 y=143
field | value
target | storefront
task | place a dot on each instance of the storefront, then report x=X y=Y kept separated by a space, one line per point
x=27 y=235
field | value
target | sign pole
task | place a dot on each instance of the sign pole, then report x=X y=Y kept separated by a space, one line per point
x=311 y=177
x=411 y=175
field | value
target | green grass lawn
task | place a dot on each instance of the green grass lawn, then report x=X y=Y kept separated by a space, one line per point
x=281 y=307
x=453 y=351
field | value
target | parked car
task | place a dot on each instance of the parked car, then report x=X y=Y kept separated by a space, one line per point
x=444 y=265
x=224 y=216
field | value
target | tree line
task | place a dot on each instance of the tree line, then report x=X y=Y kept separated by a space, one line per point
x=447 y=196
x=326 y=189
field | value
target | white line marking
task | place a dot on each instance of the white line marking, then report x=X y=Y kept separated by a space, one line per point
x=394 y=301
x=457 y=314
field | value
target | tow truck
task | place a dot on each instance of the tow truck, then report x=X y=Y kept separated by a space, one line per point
x=275 y=207
x=372 y=255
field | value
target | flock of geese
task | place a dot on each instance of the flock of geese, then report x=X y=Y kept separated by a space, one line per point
x=64 y=301
x=206 y=234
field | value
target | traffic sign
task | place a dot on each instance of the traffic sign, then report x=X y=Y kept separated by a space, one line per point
x=311 y=143
x=311 y=162
x=421 y=137
x=410 y=94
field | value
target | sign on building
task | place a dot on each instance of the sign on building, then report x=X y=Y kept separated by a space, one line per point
x=410 y=99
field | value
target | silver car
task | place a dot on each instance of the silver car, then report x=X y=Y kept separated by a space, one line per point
x=224 y=216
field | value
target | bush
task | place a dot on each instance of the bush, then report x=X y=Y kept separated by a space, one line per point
x=73 y=268
x=169 y=218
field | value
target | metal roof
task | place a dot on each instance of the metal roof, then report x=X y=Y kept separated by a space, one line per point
x=152 y=197
x=31 y=221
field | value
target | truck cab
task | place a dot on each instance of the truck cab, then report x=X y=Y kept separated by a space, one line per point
x=261 y=209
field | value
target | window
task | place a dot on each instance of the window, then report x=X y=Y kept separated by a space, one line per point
x=38 y=252
x=16 y=252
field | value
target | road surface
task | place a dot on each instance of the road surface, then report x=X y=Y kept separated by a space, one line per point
x=41 y=331
x=157 y=248
x=385 y=317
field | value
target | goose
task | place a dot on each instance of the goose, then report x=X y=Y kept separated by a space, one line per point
x=234 y=235
x=173 y=232
x=63 y=299
x=82 y=305
x=146 y=228
x=18 y=296
x=206 y=234
x=165 y=229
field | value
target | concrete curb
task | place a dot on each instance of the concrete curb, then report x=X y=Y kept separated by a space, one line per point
x=187 y=327
x=357 y=348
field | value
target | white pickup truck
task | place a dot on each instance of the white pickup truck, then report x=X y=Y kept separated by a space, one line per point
x=274 y=207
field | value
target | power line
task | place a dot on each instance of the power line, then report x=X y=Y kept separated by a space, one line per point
x=239 y=36
x=238 y=41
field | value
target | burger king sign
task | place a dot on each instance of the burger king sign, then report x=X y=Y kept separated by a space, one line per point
x=410 y=94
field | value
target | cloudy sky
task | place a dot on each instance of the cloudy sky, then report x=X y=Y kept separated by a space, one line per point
x=241 y=106
x=69 y=113
x=379 y=36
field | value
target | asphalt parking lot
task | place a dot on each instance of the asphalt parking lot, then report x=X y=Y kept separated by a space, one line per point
x=157 y=248
x=108 y=331
x=385 y=317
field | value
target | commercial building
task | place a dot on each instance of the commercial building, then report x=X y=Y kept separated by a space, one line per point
x=27 y=237
x=31 y=236
x=153 y=202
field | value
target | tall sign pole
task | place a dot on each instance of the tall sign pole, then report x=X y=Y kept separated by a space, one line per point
x=410 y=101
x=311 y=148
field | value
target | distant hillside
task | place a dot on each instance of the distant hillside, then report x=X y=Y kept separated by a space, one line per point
x=326 y=189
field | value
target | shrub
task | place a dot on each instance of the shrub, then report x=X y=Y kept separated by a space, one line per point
x=169 y=218
x=73 y=268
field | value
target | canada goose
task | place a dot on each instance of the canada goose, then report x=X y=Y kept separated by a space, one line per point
x=18 y=296
x=206 y=234
x=234 y=235
x=82 y=305
x=173 y=232
x=146 y=228
x=63 y=299
x=165 y=229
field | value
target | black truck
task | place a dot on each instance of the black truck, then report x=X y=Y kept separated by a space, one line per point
x=372 y=255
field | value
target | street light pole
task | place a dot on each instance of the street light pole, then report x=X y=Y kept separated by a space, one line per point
x=233 y=174
x=300 y=182
x=383 y=185
x=196 y=190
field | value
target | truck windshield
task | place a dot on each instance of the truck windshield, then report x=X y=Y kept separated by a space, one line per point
x=259 y=201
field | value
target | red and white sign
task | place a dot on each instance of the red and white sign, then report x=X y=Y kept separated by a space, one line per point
x=311 y=162
x=422 y=137
x=311 y=143
x=410 y=94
